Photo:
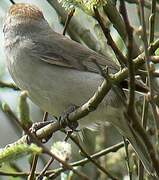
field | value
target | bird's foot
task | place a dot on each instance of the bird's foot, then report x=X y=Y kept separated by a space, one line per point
x=38 y=125
x=64 y=118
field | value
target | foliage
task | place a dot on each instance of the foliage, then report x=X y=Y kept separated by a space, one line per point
x=86 y=5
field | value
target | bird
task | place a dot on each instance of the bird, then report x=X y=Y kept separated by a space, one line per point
x=58 y=72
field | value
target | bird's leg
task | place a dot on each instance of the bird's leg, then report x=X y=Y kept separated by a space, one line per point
x=64 y=118
x=38 y=125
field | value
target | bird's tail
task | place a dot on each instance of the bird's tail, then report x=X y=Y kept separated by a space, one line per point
x=138 y=144
x=124 y=126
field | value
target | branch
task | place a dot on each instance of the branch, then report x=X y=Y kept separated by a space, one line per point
x=8 y=85
x=129 y=30
x=131 y=100
x=91 y=159
x=147 y=4
x=69 y=16
x=121 y=58
x=115 y=18
x=82 y=162
x=45 y=150
x=127 y=158
x=148 y=62
x=12 y=1
x=33 y=167
x=152 y=21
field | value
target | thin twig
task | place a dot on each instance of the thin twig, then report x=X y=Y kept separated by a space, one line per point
x=77 y=30
x=92 y=160
x=35 y=157
x=138 y=31
x=33 y=167
x=144 y=124
x=147 y=4
x=45 y=116
x=121 y=58
x=45 y=168
x=140 y=171
x=65 y=165
x=129 y=30
x=151 y=39
x=82 y=162
x=11 y=120
x=69 y=16
x=127 y=158
x=144 y=73
x=12 y=1
x=148 y=67
x=8 y=85
x=152 y=21
x=115 y=18
x=51 y=159
x=47 y=151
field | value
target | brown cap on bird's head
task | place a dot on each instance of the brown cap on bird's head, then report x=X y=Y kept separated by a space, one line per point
x=24 y=18
x=23 y=10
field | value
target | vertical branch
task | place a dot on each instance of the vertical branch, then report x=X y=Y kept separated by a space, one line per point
x=148 y=59
x=131 y=100
x=121 y=58
x=144 y=124
x=33 y=167
x=92 y=160
x=151 y=40
x=148 y=63
x=145 y=104
x=12 y=1
x=152 y=21
x=45 y=168
x=129 y=31
x=140 y=171
x=45 y=116
x=69 y=16
x=46 y=150
x=147 y=56
x=127 y=158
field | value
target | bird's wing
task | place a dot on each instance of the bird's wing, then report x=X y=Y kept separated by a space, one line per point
x=58 y=50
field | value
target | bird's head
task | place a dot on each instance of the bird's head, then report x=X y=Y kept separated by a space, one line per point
x=24 y=18
x=25 y=12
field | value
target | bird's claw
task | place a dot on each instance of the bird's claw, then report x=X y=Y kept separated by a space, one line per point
x=64 y=118
x=38 y=125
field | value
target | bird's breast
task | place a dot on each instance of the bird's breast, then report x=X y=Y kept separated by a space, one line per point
x=54 y=88
x=50 y=86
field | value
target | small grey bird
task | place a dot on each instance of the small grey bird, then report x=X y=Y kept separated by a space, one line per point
x=58 y=72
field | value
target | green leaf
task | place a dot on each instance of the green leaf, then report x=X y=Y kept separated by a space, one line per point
x=86 y=5
x=15 y=151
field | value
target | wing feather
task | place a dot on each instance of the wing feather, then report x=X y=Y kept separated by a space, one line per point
x=57 y=49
